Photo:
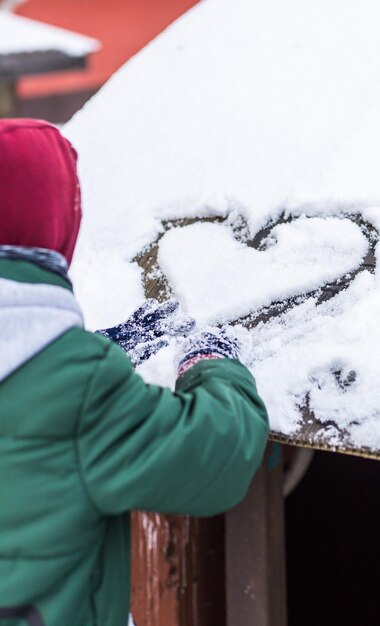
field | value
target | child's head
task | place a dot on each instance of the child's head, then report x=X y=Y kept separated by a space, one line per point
x=39 y=188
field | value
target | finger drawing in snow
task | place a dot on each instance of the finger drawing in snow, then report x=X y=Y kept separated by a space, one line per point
x=221 y=276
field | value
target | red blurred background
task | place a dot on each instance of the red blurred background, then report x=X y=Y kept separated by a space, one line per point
x=122 y=26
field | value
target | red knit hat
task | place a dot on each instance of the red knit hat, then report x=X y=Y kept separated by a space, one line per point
x=39 y=188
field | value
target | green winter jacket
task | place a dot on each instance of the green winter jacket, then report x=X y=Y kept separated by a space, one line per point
x=83 y=441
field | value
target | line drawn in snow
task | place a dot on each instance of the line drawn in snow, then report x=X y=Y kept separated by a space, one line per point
x=156 y=285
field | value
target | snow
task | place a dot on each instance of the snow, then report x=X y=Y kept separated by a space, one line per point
x=257 y=110
x=20 y=34
x=218 y=279
x=108 y=287
x=313 y=343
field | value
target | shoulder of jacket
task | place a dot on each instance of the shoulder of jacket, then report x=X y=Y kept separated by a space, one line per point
x=96 y=351
x=85 y=341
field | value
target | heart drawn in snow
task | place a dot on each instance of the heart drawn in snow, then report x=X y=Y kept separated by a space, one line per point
x=218 y=278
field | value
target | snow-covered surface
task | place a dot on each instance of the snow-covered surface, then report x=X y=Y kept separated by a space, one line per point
x=253 y=109
x=244 y=279
x=20 y=34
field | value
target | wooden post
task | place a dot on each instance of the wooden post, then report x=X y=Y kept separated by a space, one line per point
x=162 y=577
x=255 y=551
x=7 y=99
x=177 y=570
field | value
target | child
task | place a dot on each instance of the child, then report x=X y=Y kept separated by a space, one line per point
x=83 y=440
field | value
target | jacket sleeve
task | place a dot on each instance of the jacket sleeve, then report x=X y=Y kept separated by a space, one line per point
x=144 y=447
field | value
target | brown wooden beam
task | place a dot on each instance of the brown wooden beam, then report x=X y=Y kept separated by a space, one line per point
x=17 y=65
x=255 y=550
x=178 y=574
x=8 y=99
x=162 y=576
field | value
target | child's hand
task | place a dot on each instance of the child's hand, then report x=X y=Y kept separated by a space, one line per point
x=214 y=343
x=148 y=329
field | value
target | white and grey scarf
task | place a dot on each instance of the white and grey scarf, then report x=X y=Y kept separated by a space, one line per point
x=47 y=259
x=33 y=315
